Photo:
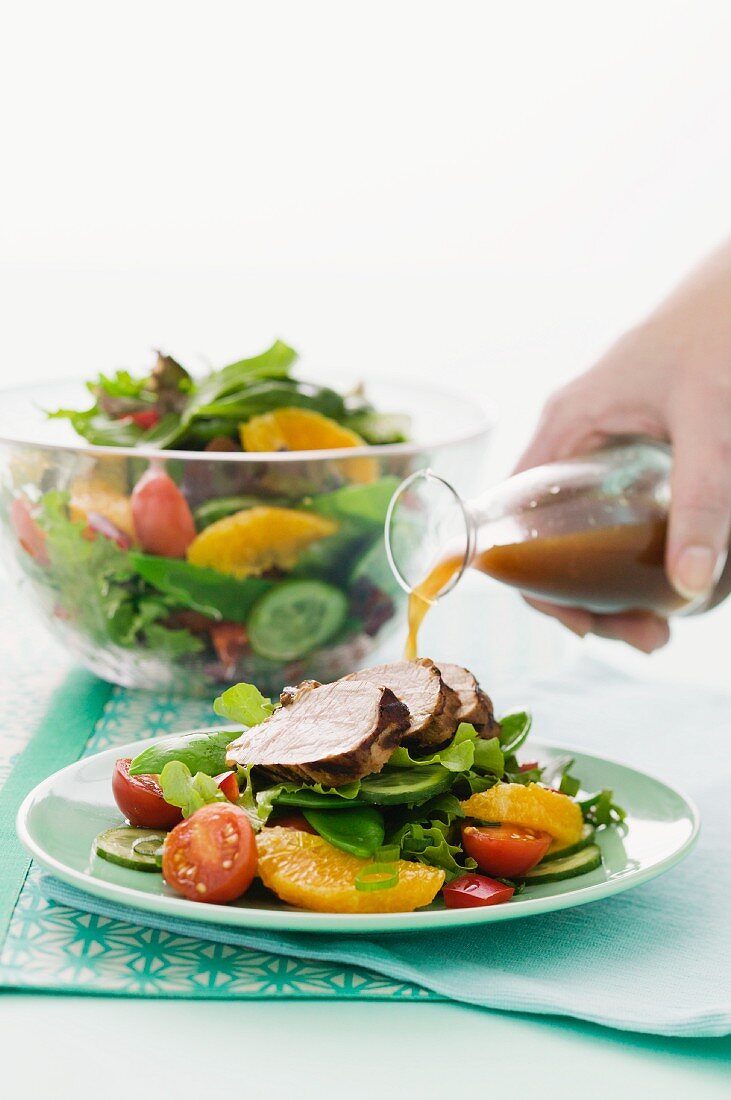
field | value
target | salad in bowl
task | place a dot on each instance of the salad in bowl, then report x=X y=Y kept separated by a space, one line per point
x=178 y=532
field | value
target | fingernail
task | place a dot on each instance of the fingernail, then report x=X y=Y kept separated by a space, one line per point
x=694 y=572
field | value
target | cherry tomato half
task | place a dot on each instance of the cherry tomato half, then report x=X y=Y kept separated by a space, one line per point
x=505 y=850
x=140 y=799
x=228 y=784
x=162 y=519
x=211 y=856
x=30 y=536
x=145 y=419
x=471 y=891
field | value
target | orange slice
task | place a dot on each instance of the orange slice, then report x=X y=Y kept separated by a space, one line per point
x=291 y=429
x=532 y=806
x=250 y=542
x=304 y=870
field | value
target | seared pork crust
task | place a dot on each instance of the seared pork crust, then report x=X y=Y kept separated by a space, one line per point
x=433 y=706
x=475 y=706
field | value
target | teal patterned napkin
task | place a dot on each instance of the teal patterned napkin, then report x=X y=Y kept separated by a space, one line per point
x=655 y=959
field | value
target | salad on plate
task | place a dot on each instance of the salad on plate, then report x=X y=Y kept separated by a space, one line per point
x=385 y=791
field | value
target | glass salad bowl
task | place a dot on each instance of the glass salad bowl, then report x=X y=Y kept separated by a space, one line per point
x=315 y=594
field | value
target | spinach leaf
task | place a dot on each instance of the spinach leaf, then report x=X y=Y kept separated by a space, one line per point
x=273 y=363
x=599 y=809
x=310 y=796
x=364 y=502
x=514 y=730
x=192 y=586
x=359 y=830
x=263 y=397
x=204 y=751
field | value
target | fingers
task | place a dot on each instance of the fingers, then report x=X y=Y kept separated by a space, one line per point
x=640 y=629
x=574 y=619
x=700 y=514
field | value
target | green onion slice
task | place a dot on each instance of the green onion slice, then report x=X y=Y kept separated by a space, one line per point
x=377 y=876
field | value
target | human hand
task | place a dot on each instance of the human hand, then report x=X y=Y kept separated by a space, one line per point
x=669 y=378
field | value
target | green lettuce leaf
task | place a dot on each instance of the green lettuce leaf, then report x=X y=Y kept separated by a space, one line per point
x=243 y=703
x=99 y=588
x=465 y=752
x=430 y=834
x=431 y=844
x=489 y=756
x=172 y=644
x=121 y=384
x=189 y=792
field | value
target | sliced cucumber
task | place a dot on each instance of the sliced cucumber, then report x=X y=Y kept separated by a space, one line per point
x=580 y=863
x=587 y=837
x=405 y=786
x=296 y=617
x=130 y=847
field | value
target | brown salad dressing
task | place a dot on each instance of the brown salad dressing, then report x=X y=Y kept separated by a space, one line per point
x=603 y=569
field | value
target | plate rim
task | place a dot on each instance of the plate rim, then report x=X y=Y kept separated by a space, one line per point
x=301 y=921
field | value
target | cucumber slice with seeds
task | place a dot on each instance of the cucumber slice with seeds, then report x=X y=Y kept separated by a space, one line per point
x=294 y=618
x=580 y=863
x=128 y=846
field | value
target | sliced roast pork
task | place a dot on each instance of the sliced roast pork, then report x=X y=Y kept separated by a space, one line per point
x=475 y=706
x=326 y=733
x=433 y=706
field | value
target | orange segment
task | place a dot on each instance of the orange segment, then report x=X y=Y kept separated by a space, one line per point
x=304 y=870
x=532 y=806
x=94 y=495
x=250 y=542
x=292 y=429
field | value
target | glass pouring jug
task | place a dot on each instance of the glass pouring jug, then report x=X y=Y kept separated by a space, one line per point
x=586 y=532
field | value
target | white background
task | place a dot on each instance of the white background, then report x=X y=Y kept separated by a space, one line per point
x=479 y=192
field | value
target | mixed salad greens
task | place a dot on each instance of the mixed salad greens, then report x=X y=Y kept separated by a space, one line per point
x=230 y=570
x=169 y=408
x=469 y=820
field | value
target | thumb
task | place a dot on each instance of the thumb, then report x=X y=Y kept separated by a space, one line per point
x=700 y=513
